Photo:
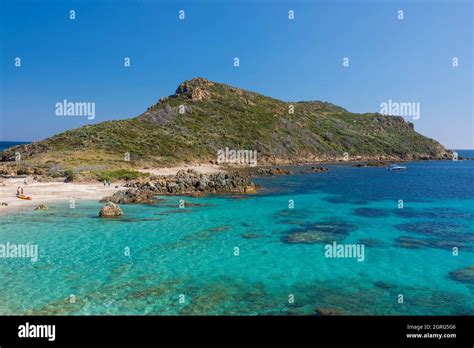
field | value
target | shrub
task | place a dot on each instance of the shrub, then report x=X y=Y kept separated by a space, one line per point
x=70 y=175
x=120 y=174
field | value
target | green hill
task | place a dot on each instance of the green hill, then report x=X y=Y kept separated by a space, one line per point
x=218 y=116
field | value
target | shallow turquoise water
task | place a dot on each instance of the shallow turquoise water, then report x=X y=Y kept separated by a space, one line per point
x=190 y=251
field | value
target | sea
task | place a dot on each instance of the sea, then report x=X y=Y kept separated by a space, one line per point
x=261 y=254
x=6 y=144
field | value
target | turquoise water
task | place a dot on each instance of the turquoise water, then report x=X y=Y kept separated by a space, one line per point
x=190 y=251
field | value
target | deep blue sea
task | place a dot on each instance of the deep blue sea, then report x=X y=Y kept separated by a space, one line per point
x=248 y=255
x=6 y=144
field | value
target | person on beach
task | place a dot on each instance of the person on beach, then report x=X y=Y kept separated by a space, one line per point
x=18 y=191
x=21 y=190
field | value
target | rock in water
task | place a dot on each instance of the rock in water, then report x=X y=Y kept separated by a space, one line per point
x=314 y=170
x=41 y=207
x=250 y=189
x=464 y=275
x=110 y=210
x=328 y=312
x=131 y=196
x=273 y=171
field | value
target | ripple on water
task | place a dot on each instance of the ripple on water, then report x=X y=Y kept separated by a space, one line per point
x=434 y=213
x=371 y=212
x=438 y=229
x=423 y=243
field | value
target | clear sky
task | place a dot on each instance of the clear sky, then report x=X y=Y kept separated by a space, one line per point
x=407 y=60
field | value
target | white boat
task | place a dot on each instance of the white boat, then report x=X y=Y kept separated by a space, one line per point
x=395 y=167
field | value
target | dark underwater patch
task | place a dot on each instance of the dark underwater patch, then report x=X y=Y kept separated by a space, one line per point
x=251 y=236
x=433 y=213
x=322 y=232
x=222 y=228
x=438 y=229
x=418 y=243
x=463 y=275
x=382 y=285
x=293 y=213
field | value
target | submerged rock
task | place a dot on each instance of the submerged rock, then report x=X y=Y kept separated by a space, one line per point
x=319 y=233
x=464 y=275
x=251 y=236
x=273 y=171
x=419 y=243
x=382 y=285
x=110 y=210
x=328 y=311
x=220 y=228
x=314 y=170
x=41 y=207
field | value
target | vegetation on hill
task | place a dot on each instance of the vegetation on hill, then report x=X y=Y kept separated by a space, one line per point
x=202 y=117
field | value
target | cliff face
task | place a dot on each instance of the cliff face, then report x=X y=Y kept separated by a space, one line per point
x=203 y=117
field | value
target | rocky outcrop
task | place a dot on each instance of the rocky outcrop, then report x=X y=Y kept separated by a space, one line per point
x=131 y=196
x=371 y=164
x=110 y=210
x=314 y=170
x=25 y=151
x=185 y=182
x=195 y=89
x=189 y=182
x=273 y=171
x=250 y=189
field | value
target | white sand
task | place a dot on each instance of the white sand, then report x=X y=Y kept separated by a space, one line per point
x=44 y=193
x=201 y=168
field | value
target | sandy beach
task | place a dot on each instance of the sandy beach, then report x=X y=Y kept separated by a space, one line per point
x=47 y=192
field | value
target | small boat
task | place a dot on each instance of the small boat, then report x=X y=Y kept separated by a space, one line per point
x=24 y=197
x=395 y=167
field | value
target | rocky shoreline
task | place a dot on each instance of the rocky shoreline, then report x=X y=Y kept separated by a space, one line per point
x=191 y=183
x=184 y=183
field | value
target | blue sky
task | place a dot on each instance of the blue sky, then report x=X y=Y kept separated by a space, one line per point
x=407 y=60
